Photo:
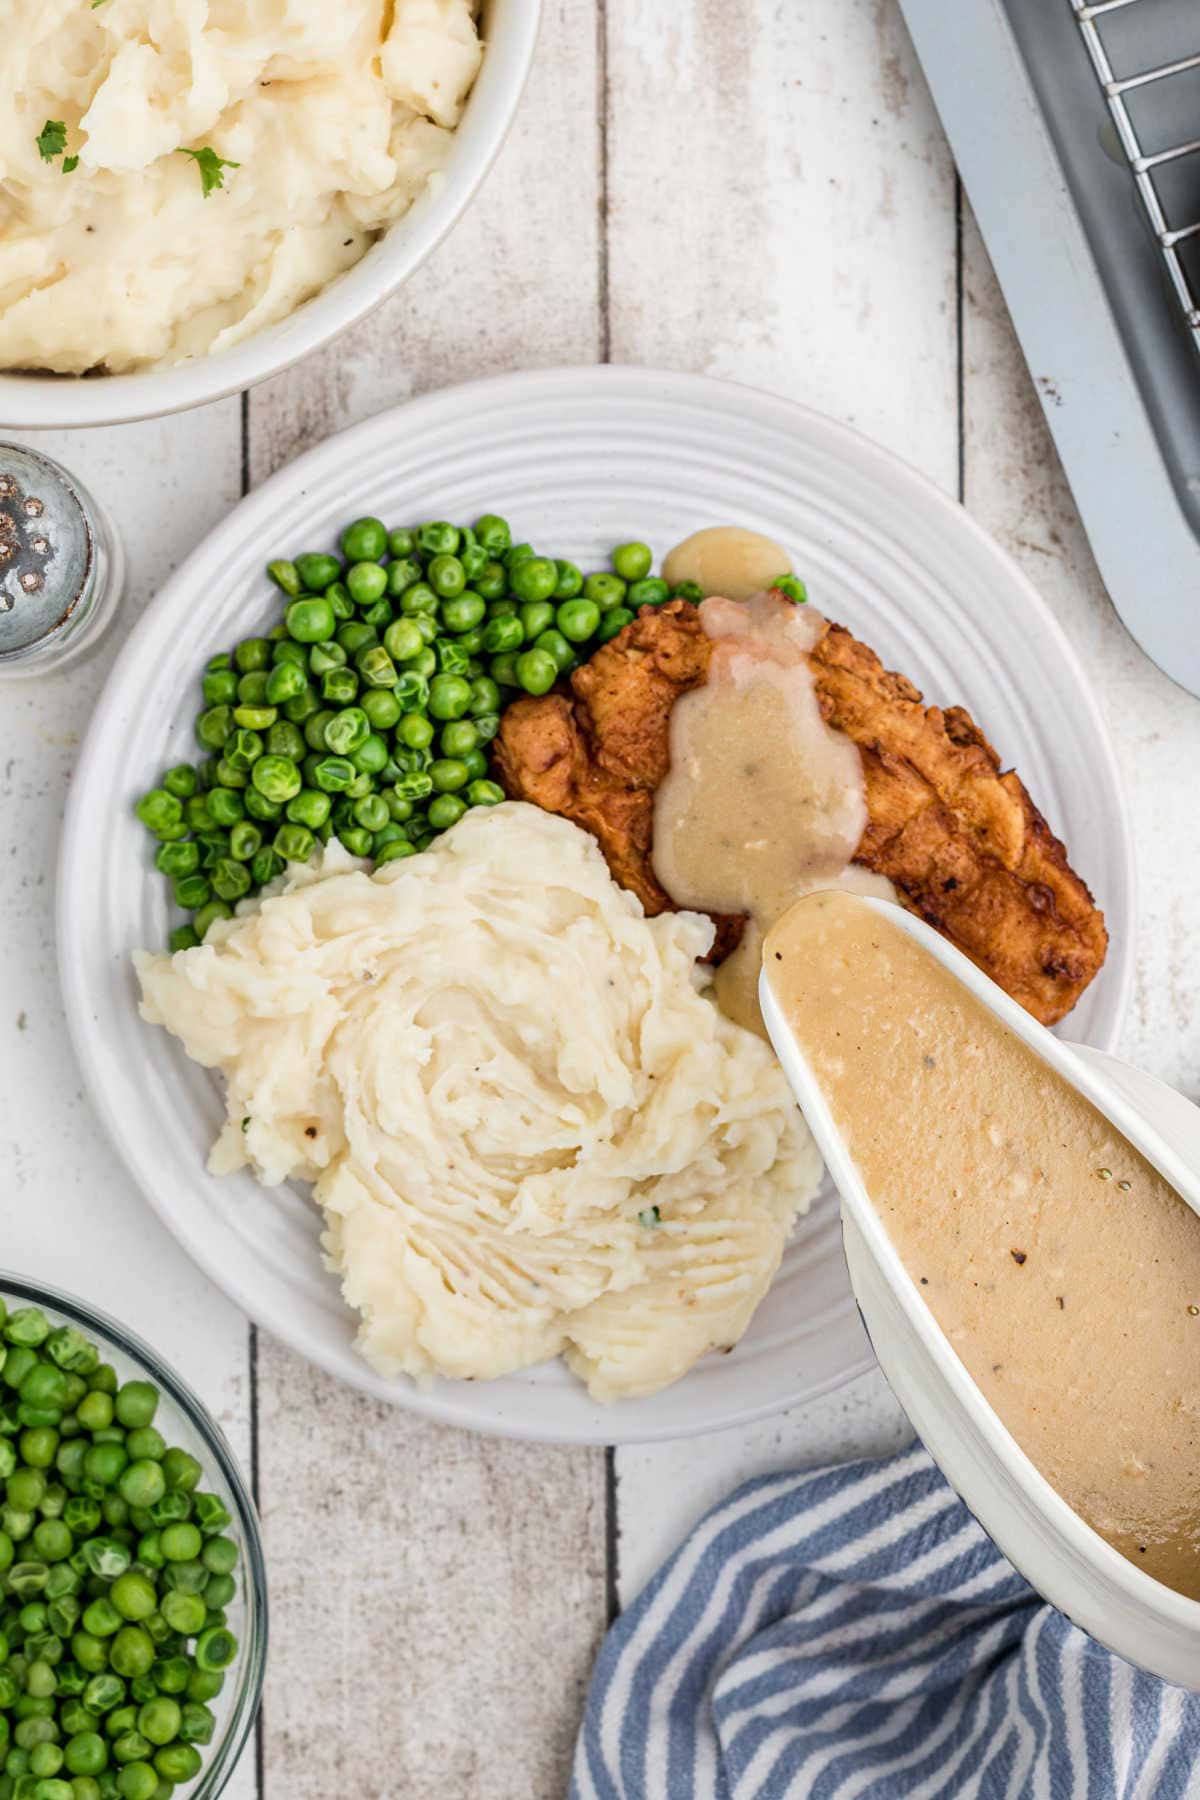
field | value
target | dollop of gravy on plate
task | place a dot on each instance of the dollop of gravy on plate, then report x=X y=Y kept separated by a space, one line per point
x=728 y=560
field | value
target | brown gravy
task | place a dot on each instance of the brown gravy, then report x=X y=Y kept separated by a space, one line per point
x=1061 y=1266
x=763 y=800
x=728 y=560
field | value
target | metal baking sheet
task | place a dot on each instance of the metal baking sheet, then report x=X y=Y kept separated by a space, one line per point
x=1102 y=326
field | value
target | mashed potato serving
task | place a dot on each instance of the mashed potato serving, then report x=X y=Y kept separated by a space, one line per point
x=529 y=1129
x=322 y=121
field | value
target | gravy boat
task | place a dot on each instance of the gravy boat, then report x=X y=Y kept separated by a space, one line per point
x=1096 y=1587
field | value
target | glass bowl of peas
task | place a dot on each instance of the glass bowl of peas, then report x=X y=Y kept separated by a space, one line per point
x=133 y=1599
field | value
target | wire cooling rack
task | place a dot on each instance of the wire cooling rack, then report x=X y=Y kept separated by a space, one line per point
x=1147 y=167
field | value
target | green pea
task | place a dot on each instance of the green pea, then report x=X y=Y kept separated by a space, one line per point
x=310 y=621
x=578 y=620
x=412 y=691
x=191 y=891
x=347 y=731
x=230 y=879
x=158 y=810
x=402 y=573
x=265 y=865
x=366 y=582
x=401 y=541
x=302 y=705
x=536 y=616
x=650 y=592
x=688 y=590
x=476 y=763
x=142 y=1483
x=333 y=775
x=382 y=708
x=317 y=570
x=606 y=590
x=458 y=738
x=339 y=598
x=212 y=728
x=181 y=1471
x=446 y=810
x=197 y=1724
x=182 y=938
x=376 y=667
x=180 y=781
x=612 y=622
x=402 y=639
x=324 y=658
x=534 y=579
x=132 y=1652
x=557 y=646
x=372 y=814
x=259 y=807
x=448 y=774
x=414 y=785
x=104 y=1463
x=393 y=852
x=219 y=688
x=419 y=601
x=254 y=718
x=485 y=793
x=227 y=807
x=452 y=659
x=504 y=670
x=339 y=687
x=491 y=581
x=294 y=843
x=463 y=614
x=245 y=840
x=243 y=748
x=414 y=732
x=252 y=654
x=372 y=755
x=536 y=670
x=422 y=666
x=504 y=634
x=438 y=538
x=449 y=696
x=366 y=540
x=135 y=1404
x=181 y=858
x=446 y=576
x=570 y=581
x=632 y=561
x=276 y=778
x=53 y=1540
x=356 y=839
x=493 y=533
x=286 y=680
x=285 y=575
x=85 y=1753
x=309 y=807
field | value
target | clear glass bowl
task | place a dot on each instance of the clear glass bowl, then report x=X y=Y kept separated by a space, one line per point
x=184 y=1420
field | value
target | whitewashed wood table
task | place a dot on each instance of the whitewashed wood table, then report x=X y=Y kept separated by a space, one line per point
x=732 y=186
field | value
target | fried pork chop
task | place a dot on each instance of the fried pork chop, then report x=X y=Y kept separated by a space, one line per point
x=961 y=841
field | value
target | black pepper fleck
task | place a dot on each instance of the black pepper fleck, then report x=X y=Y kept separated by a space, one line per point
x=1018 y=1256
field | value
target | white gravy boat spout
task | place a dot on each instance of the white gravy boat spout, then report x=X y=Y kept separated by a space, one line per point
x=1122 y=1607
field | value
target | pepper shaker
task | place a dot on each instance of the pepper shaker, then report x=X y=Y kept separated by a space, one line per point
x=61 y=564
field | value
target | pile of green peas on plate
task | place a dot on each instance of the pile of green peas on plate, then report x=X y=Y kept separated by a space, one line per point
x=368 y=712
x=115 y=1573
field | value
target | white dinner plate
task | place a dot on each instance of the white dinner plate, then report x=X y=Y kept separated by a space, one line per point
x=578 y=460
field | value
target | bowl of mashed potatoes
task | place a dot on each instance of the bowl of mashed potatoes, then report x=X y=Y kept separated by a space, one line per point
x=194 y=196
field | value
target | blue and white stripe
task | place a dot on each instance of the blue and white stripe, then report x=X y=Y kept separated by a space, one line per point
x=851 y=1634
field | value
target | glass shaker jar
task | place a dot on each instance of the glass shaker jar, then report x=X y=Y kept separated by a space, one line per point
x=61 y=564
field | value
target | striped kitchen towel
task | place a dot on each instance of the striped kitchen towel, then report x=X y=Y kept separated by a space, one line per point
x=852 y=1632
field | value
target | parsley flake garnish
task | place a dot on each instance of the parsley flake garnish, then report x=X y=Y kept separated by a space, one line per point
x=70 y=164
x=51 y=140
x=211 y=166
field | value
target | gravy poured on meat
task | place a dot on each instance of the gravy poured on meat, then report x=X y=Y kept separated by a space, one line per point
x=762 y=801
x=1061 y=1266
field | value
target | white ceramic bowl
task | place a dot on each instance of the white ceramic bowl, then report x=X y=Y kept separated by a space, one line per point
x=1064 y=1559
x=509 y=29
